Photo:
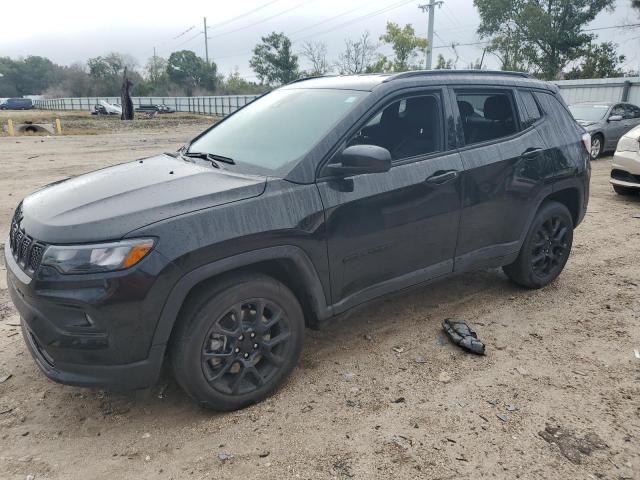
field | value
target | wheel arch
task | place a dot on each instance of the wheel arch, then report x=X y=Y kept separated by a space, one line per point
x=570 y=198
x=288 y=264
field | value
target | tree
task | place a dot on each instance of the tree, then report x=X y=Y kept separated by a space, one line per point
x=156 y=69
x=358 y=56
x=26 y=76
x=442 y=64
x=234 y=84
x=273 y=61
x=189 y=71
x=406 y=46
x=600 y=61
x=541 y=35
x=316 y=53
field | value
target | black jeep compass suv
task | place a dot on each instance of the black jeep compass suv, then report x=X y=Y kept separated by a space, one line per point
x=313 y=199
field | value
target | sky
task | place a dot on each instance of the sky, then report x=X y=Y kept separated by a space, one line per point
x=68 y=31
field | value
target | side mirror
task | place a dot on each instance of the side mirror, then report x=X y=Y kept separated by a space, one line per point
x=359 y=159
x=615 y=118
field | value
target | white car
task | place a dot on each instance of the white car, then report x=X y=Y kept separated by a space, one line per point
x=625 y=167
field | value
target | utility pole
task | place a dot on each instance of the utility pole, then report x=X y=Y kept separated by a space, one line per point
x=430 y=8
x=155 y=66
x=206 y=42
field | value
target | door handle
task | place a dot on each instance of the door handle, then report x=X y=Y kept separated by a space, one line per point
x=441 y=177
x=531 y=152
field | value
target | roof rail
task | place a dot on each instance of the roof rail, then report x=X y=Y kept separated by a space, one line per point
x=419 y=73
x=302 y=79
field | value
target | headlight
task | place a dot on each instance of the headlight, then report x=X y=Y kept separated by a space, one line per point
x=101 y=257
x=628 y=144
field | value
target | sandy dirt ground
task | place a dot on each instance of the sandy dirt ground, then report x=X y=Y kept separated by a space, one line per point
x=380 y=395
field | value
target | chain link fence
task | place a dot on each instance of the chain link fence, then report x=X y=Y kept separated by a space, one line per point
x=217 y=105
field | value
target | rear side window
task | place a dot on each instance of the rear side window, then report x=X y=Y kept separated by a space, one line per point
x=530 y=113
x=486 y=115
x=408 y=127
x=617 y=110
x=632 y=111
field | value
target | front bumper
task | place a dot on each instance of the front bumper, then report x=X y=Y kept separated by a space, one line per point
x=625 y=169
x=92 y=330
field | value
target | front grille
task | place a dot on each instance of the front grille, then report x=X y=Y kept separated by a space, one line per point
x=26 y=250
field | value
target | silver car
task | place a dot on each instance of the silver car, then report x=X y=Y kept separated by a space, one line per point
x=606 y=122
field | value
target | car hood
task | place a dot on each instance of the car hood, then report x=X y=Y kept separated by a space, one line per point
x=109 y=203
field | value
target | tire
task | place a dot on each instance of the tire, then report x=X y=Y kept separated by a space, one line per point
x=597 y=146
x=620 y=190
x=546 y=248
x=225 y=354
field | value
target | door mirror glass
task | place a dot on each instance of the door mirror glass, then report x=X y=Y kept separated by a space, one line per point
x=360 y=159
x=615 y=118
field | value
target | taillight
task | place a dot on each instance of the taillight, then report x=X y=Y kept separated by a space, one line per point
x=586 y=139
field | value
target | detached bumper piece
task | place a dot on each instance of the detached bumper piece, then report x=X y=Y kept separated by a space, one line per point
x=463 y=335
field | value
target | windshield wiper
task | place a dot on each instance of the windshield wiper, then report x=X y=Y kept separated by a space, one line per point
x=210 y=156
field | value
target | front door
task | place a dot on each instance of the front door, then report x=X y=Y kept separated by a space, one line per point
x=388 y=231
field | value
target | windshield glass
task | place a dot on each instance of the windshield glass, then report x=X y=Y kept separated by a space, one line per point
x=276 y=130
x=591 y=113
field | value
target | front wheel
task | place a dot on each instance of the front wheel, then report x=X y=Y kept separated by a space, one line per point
x=546 y=248
x=237 y=341
x=597 y=144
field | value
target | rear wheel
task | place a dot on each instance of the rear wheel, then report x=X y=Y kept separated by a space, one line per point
x=620 y=190
x=546 y=248
x=237 y=341
x=597 y=144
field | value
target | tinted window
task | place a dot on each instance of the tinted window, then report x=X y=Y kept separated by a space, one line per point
x=530 y=113
x=276 y=130
x=617 y=110
x=408 y=127
x=632 y=111
x=557 y=112
x=486 y=115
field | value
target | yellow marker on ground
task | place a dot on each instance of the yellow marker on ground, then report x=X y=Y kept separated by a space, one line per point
x=10 y=127
x=58 y=127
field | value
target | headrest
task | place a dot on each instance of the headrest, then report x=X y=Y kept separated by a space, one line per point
x=497 y=107
x=465 y=108
x=420 y=110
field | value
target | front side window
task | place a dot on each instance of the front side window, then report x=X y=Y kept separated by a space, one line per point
x=271 y=134
x=486 y=115
x=617 y=110
x=408 y=127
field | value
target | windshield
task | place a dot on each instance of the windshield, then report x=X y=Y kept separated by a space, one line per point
x=276 y=130
x=591 y=113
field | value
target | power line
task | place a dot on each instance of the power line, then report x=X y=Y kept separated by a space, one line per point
x=245 y=14
x=261 y=21
x=364 y=17
x=327 y=20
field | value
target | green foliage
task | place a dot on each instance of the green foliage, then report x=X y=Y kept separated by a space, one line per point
x=543 y=36
x=187 y=70
x=599 y=61
x=273 y=61
x=442 y=64
x=26 y=76
x=406 y=46
x=234 y=84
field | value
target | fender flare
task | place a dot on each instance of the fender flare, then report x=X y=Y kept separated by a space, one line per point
x=186 y=283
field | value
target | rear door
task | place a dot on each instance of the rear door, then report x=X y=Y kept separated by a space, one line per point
x=632 y=116
x=387 y=231
x=615 y=129
x=501 y=152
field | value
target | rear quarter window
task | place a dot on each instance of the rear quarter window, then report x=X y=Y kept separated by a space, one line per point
x=558 y=113
x=529 y=113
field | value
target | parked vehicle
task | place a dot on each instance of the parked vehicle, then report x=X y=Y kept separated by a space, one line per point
x=157 y=108
x=307 y=203
x=625 y=167
x=606 y=122
x=17 y=104
x=105 y=108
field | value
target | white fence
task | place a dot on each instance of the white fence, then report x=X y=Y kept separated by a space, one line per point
x=625 y=89
x=219 y=105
